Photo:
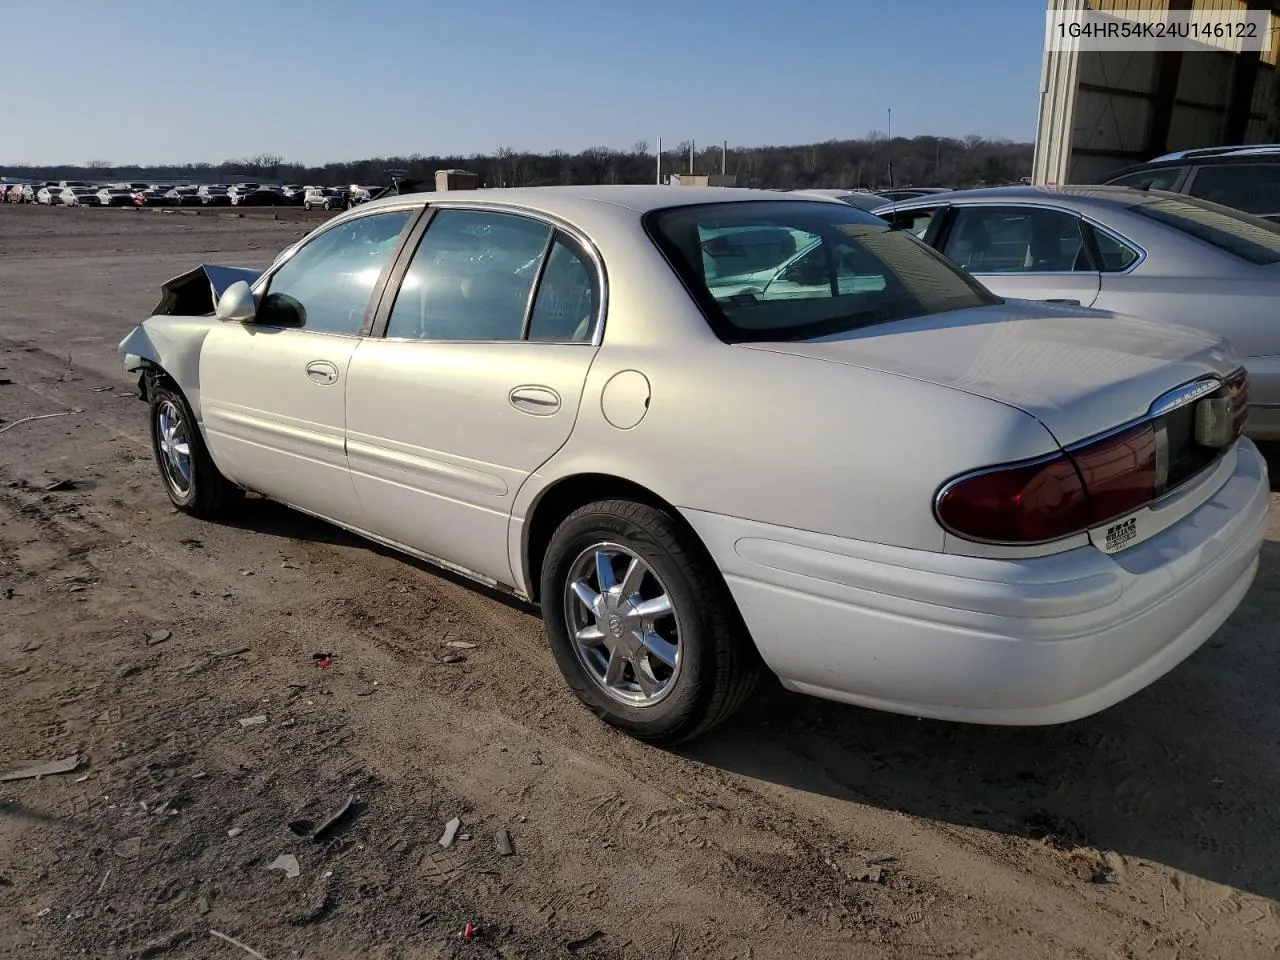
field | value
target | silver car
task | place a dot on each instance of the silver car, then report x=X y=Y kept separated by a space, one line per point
x=866 y=474
x=1150 y=254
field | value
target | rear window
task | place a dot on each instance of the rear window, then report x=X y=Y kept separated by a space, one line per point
x=1248 y=237
x=793 y=270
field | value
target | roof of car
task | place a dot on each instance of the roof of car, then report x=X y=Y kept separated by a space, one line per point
x=1097 y=194
x=640 y=198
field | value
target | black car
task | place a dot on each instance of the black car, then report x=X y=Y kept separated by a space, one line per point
x=1245 y=177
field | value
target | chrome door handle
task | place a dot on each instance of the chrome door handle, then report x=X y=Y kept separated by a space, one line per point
x=322 y=371
x=535 y=400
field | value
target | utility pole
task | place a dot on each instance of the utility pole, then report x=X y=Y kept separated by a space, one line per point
x=691 y=143
x=891 y=148
x=659 y=180
x=724 y=158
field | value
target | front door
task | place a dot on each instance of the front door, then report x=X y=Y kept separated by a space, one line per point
x=475 y=385
x=1023 y=252
x=272 y=392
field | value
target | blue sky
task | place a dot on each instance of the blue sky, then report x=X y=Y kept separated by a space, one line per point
x=150 y=81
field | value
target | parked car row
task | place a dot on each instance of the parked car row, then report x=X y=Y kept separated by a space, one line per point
x=713 y=431
x=79 y=193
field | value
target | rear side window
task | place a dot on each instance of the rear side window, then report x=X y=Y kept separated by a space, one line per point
x=1248 y=237
x=1117 y=256
x=786 y=270
x=1016 y=240
x=1253 y=187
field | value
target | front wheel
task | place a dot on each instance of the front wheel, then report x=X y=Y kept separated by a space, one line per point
x=190 y=478
x=641 y=623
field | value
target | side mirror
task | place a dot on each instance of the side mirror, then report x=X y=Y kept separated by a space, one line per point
x=236 y=304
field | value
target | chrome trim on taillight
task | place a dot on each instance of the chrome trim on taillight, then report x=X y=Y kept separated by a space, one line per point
x=1181 y=396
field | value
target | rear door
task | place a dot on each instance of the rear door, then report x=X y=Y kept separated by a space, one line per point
x=273 y=391
x=1022 y=251
x=477 y=382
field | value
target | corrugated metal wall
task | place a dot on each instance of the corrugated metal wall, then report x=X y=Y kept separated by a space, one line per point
x=1102 y=111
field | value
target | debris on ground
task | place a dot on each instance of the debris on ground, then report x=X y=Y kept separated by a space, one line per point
x=235 y=832
x=130 y=848
x=323 y=660
x=333 y=819
x=58 y=486
x=257 y=721
x=236 y=943
x=468 y=931
x=462 y=644
x=202 y=906
x=288 y=863
x=450 y=831
x=43 y=770
x=453 y=658
x=228 y=652
x=157 y=636
x=503 y=841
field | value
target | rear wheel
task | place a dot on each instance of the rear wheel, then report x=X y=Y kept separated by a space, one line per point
x=641 y=624
x=190 y=478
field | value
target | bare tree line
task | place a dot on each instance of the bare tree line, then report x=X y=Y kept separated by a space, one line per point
x=871 y=162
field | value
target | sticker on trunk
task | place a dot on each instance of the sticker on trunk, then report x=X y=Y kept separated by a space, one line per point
x=1118 y=535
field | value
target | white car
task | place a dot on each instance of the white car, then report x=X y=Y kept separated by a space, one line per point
x=889 y=487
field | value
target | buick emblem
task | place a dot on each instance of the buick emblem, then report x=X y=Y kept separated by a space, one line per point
x=615 y=625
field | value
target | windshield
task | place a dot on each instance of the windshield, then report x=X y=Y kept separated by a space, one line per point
x=1248 y=237
x=792 y=270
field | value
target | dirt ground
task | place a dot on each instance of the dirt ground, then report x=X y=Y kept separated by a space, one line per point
x=805 y=829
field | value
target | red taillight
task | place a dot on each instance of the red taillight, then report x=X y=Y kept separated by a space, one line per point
x=1119 y=472
x=1019 y=504
x=1238 y=389
x=1057 y=497
x=1098 y=481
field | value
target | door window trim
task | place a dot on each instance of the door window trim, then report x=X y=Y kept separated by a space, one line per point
x=413 y=241
x=955 y=207
x=262 y=285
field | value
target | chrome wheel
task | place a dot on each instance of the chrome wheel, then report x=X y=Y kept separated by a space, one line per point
x=175 y=447
x=623 y=624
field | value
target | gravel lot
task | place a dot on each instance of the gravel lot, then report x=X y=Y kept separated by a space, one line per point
x=806 y=829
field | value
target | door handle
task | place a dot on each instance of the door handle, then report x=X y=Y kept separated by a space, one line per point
x=535 y=400
x=322 y=371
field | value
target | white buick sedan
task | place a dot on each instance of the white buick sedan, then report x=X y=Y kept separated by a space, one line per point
x=710 y=431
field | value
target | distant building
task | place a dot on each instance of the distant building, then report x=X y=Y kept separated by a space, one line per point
x=703 y=180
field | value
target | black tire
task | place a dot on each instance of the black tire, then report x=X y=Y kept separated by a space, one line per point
x=307 y=206
x=206 y=493
x=717 y=664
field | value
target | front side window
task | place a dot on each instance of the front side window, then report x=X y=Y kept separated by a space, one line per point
x=1248 y=237
x=472 y=278
x=915 y=222
x=1016 y=240
x=327 y=284
x=784 y=270
x=1252 y=187
x=1164 y=178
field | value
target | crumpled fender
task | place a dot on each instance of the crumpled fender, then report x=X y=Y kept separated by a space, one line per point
x=171 y=344
x=170 y=340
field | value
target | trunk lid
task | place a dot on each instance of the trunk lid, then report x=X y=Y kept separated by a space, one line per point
x=1079 y=372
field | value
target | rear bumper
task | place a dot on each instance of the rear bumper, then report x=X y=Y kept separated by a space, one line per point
x=1017 y=642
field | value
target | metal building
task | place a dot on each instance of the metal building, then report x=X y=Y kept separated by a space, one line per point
x=1100 y=111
